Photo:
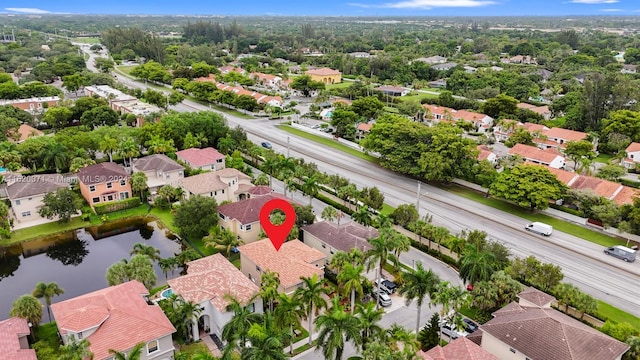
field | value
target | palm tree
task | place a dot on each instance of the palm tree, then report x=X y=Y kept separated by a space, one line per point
x=56 y=155
x=128 y=148
x=336 y=327
x=27 y=307
x=168 y=264
x=382 y=221
x=398 y=336
x=634 y=350
x=311 y=187
x=350 y=280
x=269 y=284
x=287 y=315
x=450 y=297
x=159 y=145
x=182 y=315
x=270 y=166
x=381 y=253
x=134 y=354
x=266 y=342
x=477 y=264
x=239 y=325
x=223 y=240
x=139 y=183
x=362 y=216
x=150 y=251
x=262 y=179
x=76 y=350
x=329 y=213
x=46 y=292
x=286 y=166
x=400 y=243
x=416 y=285
x=310 y=295
x=369 y=318
x=109 y=145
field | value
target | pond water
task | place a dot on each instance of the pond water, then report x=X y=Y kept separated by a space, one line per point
x=77 y=260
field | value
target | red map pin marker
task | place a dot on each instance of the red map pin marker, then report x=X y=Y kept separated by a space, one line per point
x=277 y=233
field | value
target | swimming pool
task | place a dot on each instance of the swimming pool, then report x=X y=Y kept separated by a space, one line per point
x=166 y=293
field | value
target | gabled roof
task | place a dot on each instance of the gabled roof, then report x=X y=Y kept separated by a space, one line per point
x=536 y=296
x=325 y=71
x=565 y=177
x=484 y=152
x=210 y=279
x=459 y=349
x=211 y=181
x=389 y=88
x=532 y=152
x=157 y=162
x=248 y=211
x=343 y=237
x=545 y=333
x=24 y=132
x=291 y=262
x=633 y=147
x=531 y=127
x=604 y=188
x=121 y=314
x=33 y=185
x=626 y=195
x=366 y=127
x=10 y=332
x=566 y=134
x=199 y=157
x=101 y=173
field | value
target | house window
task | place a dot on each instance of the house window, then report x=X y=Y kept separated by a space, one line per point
x=79 y=335
x=92 y=188
x=109 y=198
x=95 y=200
x=251 y=307
x=26 y=213
x=219 y=161
x=258 y=268
x=17 y=202
x=123 y=182
x=512 y=350
x=180 y=173
x=30 y=199
x=213 y=167
x=222 y=217
x=109 y=185
x=247 y=227
x=152 y=346
x=215 y=193
x=324 y=246
x=223 y=191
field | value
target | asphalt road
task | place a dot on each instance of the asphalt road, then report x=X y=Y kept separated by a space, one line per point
x=583 y=263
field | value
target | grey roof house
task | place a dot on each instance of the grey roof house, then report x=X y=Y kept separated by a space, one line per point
x=160 y=170
x=26 y=195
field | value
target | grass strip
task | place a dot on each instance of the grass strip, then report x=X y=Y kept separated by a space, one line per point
x=328 y=142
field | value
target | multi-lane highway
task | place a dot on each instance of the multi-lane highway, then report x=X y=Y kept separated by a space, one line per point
x=582 y=262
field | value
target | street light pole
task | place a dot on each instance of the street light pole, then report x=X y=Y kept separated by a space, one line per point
x=418 y=197
x=287 y=146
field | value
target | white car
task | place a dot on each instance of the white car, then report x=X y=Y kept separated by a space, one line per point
x=382 y=297
x=451 y=331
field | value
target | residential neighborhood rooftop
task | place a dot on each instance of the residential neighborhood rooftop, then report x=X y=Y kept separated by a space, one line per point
x=157 y=162
x=100 y=173
x=248 y=211
x=532 y=152
x=459 y=349
x=325 y=71
x=343 y=237
x=200 y=157
x=211 y=181
x=11 y=348
x=27 y=186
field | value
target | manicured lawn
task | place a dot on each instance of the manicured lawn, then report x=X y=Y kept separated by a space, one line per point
x=43 y=230
x=165 y=216
x=192 y=349
x=206 y=250
x=127 y=69
x=47 y=338
x=604 y=158
x=606 y=311
x=331 y=143
x=87 y=40
x=222 y=109
x=387 y=209
x=141 y=210
x=418 y=96
x=341 y=85
x=572 y=229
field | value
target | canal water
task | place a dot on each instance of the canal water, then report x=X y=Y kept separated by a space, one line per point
x=77 y=260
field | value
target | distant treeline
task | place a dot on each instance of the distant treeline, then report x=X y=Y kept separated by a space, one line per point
x=143 y=44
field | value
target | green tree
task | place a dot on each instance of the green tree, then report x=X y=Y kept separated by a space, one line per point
x=139 y=183
x=182 y=314
x=196 y=216
x=287 y=315
x=241 y=321
x=63 y=203
x=578 y=151
x=310 y=295
x=369 y=318
x=306 y=85
x=311 y=187
x=429 y=336
x=350 y=280
x=477 y=264
x=266 y=341
x=368 y=107
x=128 y=148
x=344 y=121
x=139 y=267
x=27 y=307
x=417 y=285
x=611 y=172
x=104 y=65
x=222 y=240
x=372 y=197
x=520 y=136
x=134 y=354
x=109 y=145
x=47 y=292
x=142 y=249
x=381 y=253
x=336 y=327
x=269 y=284
x=362 y=216
x=55 y=156
x=405 y=214
x=79 y=163
x=76 y=350
x=529 y=186
x=101 y=115
x=58 y=117
x=329 y=213
x=159 y=145
x=500 y=106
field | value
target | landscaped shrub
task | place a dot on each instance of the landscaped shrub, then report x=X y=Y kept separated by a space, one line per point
x=116 y=205
x=567 y=210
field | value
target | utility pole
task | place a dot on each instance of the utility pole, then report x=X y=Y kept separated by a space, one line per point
x=287 y=146
x=418 y=198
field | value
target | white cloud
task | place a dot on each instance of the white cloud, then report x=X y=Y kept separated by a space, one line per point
x=611 y=10
x=28 y=10
x=427 y=4
x=594 y=1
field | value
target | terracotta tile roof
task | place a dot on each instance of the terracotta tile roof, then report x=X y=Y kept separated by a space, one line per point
x=260 y=190
x=325 y=71
x=395 y=89
x=531 y=127
x=27 y=186
x=532 y=152
x=605 y=188
x=211 y=181
x=565 y=177
x=227 y=68
x=469 y=116
x=633 y=147
x=10 y=332
x=438 y=110
x=484 y=152
x=210 y=279
x=121 y=314
x=343 y=237
x=626 y=195
x=566 y=134
x=248 y=211
x=459 y=349
x=263 y=76
x=536 y=296
x=545 y=333
x=537 y=109
x=24 y=132
x=156 y=162
x=199 y=157
x=101 y=173
x=366 y=127
x=291 y=262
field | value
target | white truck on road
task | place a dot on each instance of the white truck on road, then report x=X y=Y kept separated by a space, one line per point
x=540 y=228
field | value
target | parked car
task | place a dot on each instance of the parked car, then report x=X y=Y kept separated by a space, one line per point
x=266 y=145
x=383 y=298
x=469 y=325
x=451 y=331
x=387 y=286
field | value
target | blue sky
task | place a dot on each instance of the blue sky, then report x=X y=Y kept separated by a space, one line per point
x=329 y=7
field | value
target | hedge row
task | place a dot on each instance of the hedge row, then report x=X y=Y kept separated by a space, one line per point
x=116 y=206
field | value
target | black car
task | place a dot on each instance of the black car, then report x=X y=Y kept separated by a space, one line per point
x=469 y=325
x=266 y=145
x=390 y=285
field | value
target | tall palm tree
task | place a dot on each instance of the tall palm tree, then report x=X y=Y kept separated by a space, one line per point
x=223 y=240
x=182 y=315
x=142 y=249
x=477 y=264
x=400 y=243
x=134 y=354
x=159 y=145
x=270 y=166
x=450 y=297
x=417 y=285
x=76 y=350
x=56 y=156
x=47 y=292
x=350 y=281
x=239 y=325
x=266 y=341
x=381 y=253
x=287 y=315
x=27 y=307
x=311 y=187
x=336 y=327
x=168 y=264
x=362 y=216
x=329 y=213
x=128 y=148
x=269 y=284
x=369 y=317
x=109 y=145
x=398 y=336
x=310 y=295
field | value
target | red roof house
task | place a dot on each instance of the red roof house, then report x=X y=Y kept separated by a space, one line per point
x=14 y=344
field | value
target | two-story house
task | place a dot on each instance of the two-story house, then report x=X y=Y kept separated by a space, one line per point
x=118 y=317
x=206 y=283
x=243 y=217
x=549 y=157
x=160 y=170
x=329 y=238
x=485 y=153
x=293 y=261
x=105 y=182
x=14 y=342
x=458 y=349
x=37 y=105
x=26 y=195
x=226 y=185
x=633 y=155
x=203 y=159
x=325 y=75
